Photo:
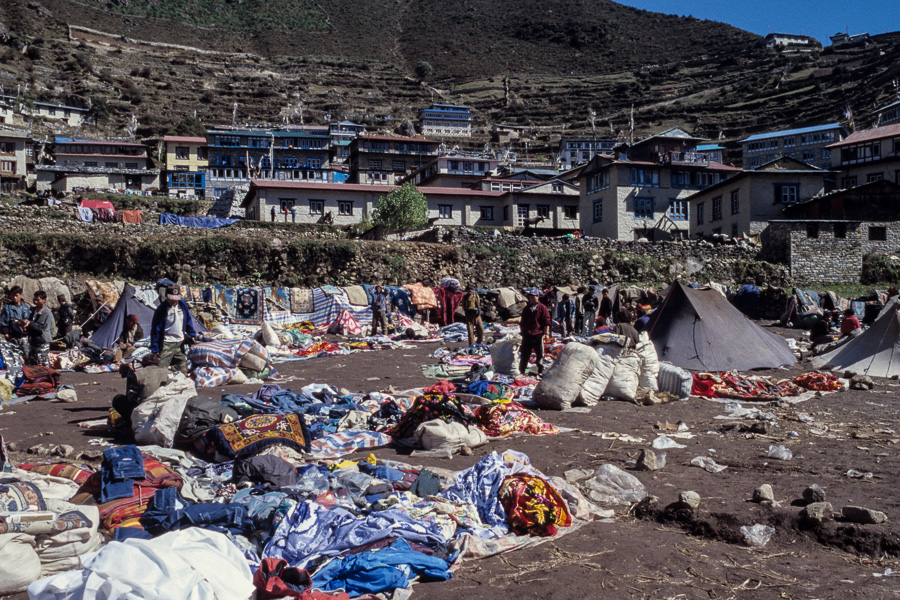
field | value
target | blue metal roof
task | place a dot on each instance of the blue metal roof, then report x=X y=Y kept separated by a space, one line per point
x=778 y=134
x=707 y=147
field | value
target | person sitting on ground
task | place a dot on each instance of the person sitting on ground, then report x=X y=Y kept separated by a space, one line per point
x=131 y=335
x=14 y=313
x=534 y=325
x=379 y=310
x=171 y=329
x=140 y=385
x=623 y=316
x=820 y=332
x=40 y=328
x=850 y=323
x=474 y=324
x=65 y=316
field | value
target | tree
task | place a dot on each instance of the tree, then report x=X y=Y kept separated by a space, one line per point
x=424 y=70
x=402 y=209
x=191 y=126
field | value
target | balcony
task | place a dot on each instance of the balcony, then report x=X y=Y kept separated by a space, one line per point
x=684 y=158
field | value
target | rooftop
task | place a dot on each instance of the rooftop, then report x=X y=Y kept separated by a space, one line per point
x=800 y=131
x=876 y=133
x=186 y=139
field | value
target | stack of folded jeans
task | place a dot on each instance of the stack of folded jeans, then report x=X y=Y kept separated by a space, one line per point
x=121 y=467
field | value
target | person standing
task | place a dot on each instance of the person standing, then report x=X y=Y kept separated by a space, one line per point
x=14 y=313
x=474 y=325
x=379 y=310
x=40 y=327
x=65 y=316
x=606 y=307
x=534 y=325
x=567 y=313
x=170 y=330
x=589 y=308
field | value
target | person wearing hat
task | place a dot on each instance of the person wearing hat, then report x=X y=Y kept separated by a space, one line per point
x=65 y=316
x=534 y=325
x=170 y=330
x=131 y=334
x=474 y=325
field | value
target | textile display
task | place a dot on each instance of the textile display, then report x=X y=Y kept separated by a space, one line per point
x=78 y=473
x=448 y=301
x=254 y=433
x=38 y=380
x=426 y=408
x=820 y=382
x=345 y=324
x=102 y=293
x=198 y=222
x=492 y=390
x=533 y=505
x=106 y=215
x=342 y=443
x=356 y=294
x=731 y=384
x=332 y=290
x=423 y=297
x=277 y=298
x=18 y=496
x=135 y=217
x=247 y=307
x=504 y=420
x=85 y=214
x=329 y=307
x=302 y=301
x=97 y=204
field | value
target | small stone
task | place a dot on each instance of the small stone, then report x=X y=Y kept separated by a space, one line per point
x=764 y=494
x=13 y=446
x=866 y=516
x=465 y=451
x=861 y=382
x=63 y=451
x=646 y=461
x=814 y=493
x=689 y=499
x=816 y=513
x=90 y=455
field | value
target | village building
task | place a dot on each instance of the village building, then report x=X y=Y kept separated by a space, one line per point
x=744 y=204
x=454 y=169
x=842 y=38
x=825 y=239
x=13 y=156
x=387 y=160
x=642 y=191
x=446 y=120
x=13 y=111
x=886 y=115
x=791 y=42
x=76 y=164
x=714 y=152
x=578 y=151
x=809 y=144
x=867 y=156
x=341 y=134
x=185 y=166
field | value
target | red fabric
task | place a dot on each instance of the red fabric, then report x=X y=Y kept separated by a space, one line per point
x=448 y=302
x=95 y=204
x=132 y=216
x=703 y=387
x=849 y=324
x=534 y=319
x=441 y=387
x=275 y=579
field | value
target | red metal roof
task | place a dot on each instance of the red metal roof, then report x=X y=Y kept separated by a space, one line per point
x=872 y=134
x=184 y=138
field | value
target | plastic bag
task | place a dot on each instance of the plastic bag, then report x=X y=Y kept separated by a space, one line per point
x=664 y=442
x=779 y=452
x=757 y=535
x=612 y=485
x=707 y=464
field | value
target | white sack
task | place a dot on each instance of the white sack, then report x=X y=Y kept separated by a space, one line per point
x=19 y=563
x=439 y=435
x=625 y=378
x=505 y=355
x=156 y=419
x=649 y=363
x=595 y=385
x=674 y=380
x=563 y=382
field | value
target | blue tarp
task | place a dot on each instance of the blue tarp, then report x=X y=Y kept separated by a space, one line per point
x=201 y=222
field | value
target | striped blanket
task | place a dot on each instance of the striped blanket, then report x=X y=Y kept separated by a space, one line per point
x=225 y=353
x=339 y=444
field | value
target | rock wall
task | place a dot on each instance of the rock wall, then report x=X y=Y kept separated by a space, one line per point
x=50 y=242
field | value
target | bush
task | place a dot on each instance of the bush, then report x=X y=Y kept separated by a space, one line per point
x=880 y=268
x=424 y=70
x=403 y=209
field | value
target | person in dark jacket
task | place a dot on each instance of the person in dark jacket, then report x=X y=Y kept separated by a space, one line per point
x=40 y=330
x=589 y=307
x=12 y=318
x=474 y=324
x=379 y=306
x=65 y=316
x=606 y=306
x=131 y=335
x=567 y=313
x=534 y=325
x=171 y=330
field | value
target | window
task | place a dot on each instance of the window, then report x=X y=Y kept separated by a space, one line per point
x=809 y=155
x=754 y=162
x=643 y=208
x=700 y=207
x=717 y=208
x=286 y=203
x=345 y=208
x=7 y=147
x=735 y=201
x=8 y=166
x=111 y=165
x=874 y=177
x=131 y=165
x=848 y=182
x=598 y=181
x=826 y=154
x=786 y=193
x=678 y=210
x=522 y=211
x=840 y=230
x=570 y=212
x=598 y=211
x=487 y=213
x=556 y=188
x=445 y=211
x=398 y=166
x=316 y=207
x=229 y=141
x=182 y=152
x=877 y=234
x=543 y=210
x=734 y=230
x=506 y=213
x=375 y=165
x=812 y=230
x=645 y=177
x=454 y=165
x=313 y=163
x=201 y=154
x=90 y=163
x=790 y=141
x=682 y=179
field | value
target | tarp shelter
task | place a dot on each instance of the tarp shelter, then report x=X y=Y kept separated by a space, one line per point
x=698 y=329
x=876 y=352
x=107 y=334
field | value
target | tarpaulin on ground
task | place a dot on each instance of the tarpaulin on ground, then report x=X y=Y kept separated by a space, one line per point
x=199 y=222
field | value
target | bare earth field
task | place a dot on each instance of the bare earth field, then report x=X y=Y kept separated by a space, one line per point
x=653 y=551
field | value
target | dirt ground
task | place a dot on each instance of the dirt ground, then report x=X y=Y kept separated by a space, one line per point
x=655 y=551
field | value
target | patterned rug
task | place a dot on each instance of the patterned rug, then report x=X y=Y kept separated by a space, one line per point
x=254 y=433
x=302 y=301
x=247 y=307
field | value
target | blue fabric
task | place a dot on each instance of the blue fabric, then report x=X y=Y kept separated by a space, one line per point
x=385 y=473
x=402 y=300
x=310 y=530
x=199 y=222
x=158 y=325
x=379 y=571
x=120 y=534
x=168 y=511
x=121 y=466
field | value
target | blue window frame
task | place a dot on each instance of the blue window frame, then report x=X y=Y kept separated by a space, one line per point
x=645 y=177
x=598 y=211
x=678 y=210
x=643 y=208
x=187 y=179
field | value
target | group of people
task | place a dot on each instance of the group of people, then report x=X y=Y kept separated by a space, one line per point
x=823 y=330
x=30 y=326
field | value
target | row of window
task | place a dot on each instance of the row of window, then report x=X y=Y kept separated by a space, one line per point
x=295 y=162
x=94 y=149
x=316 y=207
x=111 y=165
x=875 y=234
x=184 y=153
x=7 y=166
x=7 y=147
x=445 y=211
x=822 y=137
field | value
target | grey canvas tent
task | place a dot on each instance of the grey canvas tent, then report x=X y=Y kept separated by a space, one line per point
x=107 y=334
x=875 y=352
x=698 y=329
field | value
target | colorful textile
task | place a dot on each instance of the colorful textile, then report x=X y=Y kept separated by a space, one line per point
x=356 y=294
x=302 y=301
x=345 y=324
x=820 y=382
x=423 y=297
x=492 y=390
x=254 y=433
x=60 y=468
x=448 y=301
x=226 y=353
x=247 y=307
x=132 y=216
x=533 y=505
x=38 y=380
x=212 y=376
x=318 y=349
x=426 y=408
x=198 y=222
x=85 y=214
x=277 y=298
x=342 y=443
x=503 y=420
x=17 y=496
x=731 y=384
x=102 y=293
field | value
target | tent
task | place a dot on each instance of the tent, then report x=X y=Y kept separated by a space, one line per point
x=875 y=352
x=107 y=334
x=699 y=329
